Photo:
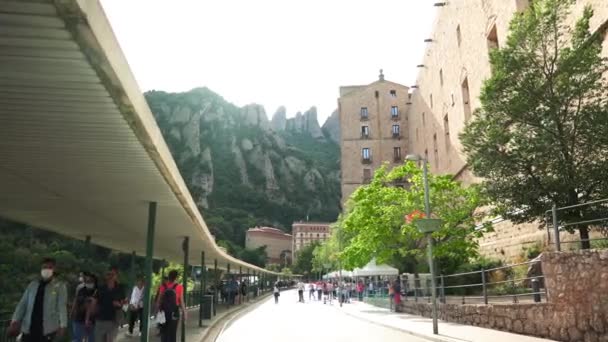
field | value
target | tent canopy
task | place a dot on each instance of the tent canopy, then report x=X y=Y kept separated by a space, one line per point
x=373 y=269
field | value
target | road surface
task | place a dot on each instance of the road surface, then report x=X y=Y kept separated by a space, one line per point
x=312 y=321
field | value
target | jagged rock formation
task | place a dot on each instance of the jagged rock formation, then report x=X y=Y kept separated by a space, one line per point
x=242 y=167
x=332 y=126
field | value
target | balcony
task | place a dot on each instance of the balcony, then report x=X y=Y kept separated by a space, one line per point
x=366 y=160
x=364 y=117
x=395 y=117
x=364 y=135
x=397 y=135
x=397 y=158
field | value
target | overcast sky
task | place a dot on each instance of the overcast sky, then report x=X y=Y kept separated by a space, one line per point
x=272 y=52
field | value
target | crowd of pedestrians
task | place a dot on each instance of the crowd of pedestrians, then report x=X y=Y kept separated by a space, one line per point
x=97 y=310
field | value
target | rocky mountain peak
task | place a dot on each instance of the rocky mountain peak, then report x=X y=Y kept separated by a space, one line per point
x=255 y=115
x=332 y=126
x=306 y=122
x=279 y=119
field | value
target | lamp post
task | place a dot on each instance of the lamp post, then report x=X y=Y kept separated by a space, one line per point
x=427 y=209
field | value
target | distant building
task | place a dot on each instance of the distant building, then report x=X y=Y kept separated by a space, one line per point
x=305 y=233
x=277 y=242
x=373 y=130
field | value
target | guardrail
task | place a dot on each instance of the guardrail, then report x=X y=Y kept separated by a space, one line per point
x=590 y=214
x=505 y=284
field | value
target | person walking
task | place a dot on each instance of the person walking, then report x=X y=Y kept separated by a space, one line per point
x=170 y=303
x=277 y=292
x=360 y=289
x=82 y=303
x=107 y=303
x=319 y=287
x=243 y=291
x=41 y=314
x=311 y=291
x=397 y=293
x=136 y=306
x=300 y=292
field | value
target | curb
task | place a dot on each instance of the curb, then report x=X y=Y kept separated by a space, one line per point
x=432 y=338
x=229 y=315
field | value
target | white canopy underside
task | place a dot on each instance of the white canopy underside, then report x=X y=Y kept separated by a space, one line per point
x=80 y=151
x=372 y=269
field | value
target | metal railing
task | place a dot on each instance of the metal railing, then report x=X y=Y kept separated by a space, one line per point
x=594 y=213
x=505 y=284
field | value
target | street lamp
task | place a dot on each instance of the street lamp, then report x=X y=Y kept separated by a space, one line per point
x=427 y=209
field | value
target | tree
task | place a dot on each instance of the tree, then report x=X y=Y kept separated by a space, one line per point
x=374 y=225
x=541 y=134
x=303 y=263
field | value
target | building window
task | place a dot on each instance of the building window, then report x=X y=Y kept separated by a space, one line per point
x=426 y=154
x=366 y=155
x=393 y=93
x=367 y=175
x=394 y=111
x=458 y=35
x=431 y=100
x=466 y=102
x=453 y=101
x=435 y=150
x=441 y=77
x=364 y=114
x=395 y=130
x=493 y=39
x=397 y=153
x=446 y=129
x=377 y=94
x=365 y=132
x=423 y=119
x=317 y=235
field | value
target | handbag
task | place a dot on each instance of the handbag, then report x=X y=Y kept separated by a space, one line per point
x=160 y=318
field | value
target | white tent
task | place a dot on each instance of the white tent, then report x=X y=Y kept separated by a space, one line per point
x=372 y=269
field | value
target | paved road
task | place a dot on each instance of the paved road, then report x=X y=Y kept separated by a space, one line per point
x=312 y=321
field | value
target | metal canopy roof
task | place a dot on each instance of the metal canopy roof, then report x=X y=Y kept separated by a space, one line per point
x=80 y=151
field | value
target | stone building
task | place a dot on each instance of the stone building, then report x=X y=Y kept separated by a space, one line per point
x=305 y=233
x=373 y=129
x=446 y=93
x=450 y=78
x=277 y=242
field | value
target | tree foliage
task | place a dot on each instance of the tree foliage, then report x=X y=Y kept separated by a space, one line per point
x=541 y=134
x=374 y=225
x=303 y=263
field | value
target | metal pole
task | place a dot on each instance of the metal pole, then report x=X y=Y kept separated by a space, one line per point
x=202 y=294
x=241 y=284
x=132 y=271
x=229 y=284
x=215 y=289
x=556 y=228
x=427 y=207
x=484 y=288
x=186 y=249
x=442 y=284
x=148 y=271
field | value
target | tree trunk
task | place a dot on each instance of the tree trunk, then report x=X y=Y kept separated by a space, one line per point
x=584 y=234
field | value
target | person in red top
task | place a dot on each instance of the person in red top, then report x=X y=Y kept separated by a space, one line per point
x=168 y=292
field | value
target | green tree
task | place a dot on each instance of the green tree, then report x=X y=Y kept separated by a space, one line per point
x=541 y=134
x=374 y=224
x=303 y=262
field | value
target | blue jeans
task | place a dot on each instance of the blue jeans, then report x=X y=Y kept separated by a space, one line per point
x=81 y=332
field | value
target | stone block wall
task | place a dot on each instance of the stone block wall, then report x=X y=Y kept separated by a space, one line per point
x=577 y=308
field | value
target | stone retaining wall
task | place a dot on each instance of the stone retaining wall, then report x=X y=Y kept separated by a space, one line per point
x=577 y=308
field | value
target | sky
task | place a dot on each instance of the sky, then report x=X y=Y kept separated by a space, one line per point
x=271 y=52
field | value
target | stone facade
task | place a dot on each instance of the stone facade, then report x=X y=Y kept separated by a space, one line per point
x=454 y=67
x=577 y=307
x=305 y=233
x=368 y=117
x=277 y=242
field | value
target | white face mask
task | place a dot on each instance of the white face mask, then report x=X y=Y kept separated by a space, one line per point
x=46 y=273
x=81 y=279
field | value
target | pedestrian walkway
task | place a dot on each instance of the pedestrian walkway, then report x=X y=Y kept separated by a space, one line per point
x=193 y=331
x=423 y=327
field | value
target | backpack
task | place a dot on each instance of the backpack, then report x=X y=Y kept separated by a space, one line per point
x=169 y=302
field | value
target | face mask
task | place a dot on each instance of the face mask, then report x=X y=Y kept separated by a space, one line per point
x=90 y=286
x=46 y=273
x=80 y=279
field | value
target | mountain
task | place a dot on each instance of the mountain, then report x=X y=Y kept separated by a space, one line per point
x=331 y=127
x=244 y=170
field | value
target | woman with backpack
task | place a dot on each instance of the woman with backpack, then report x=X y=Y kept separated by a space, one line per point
x=170 y=302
